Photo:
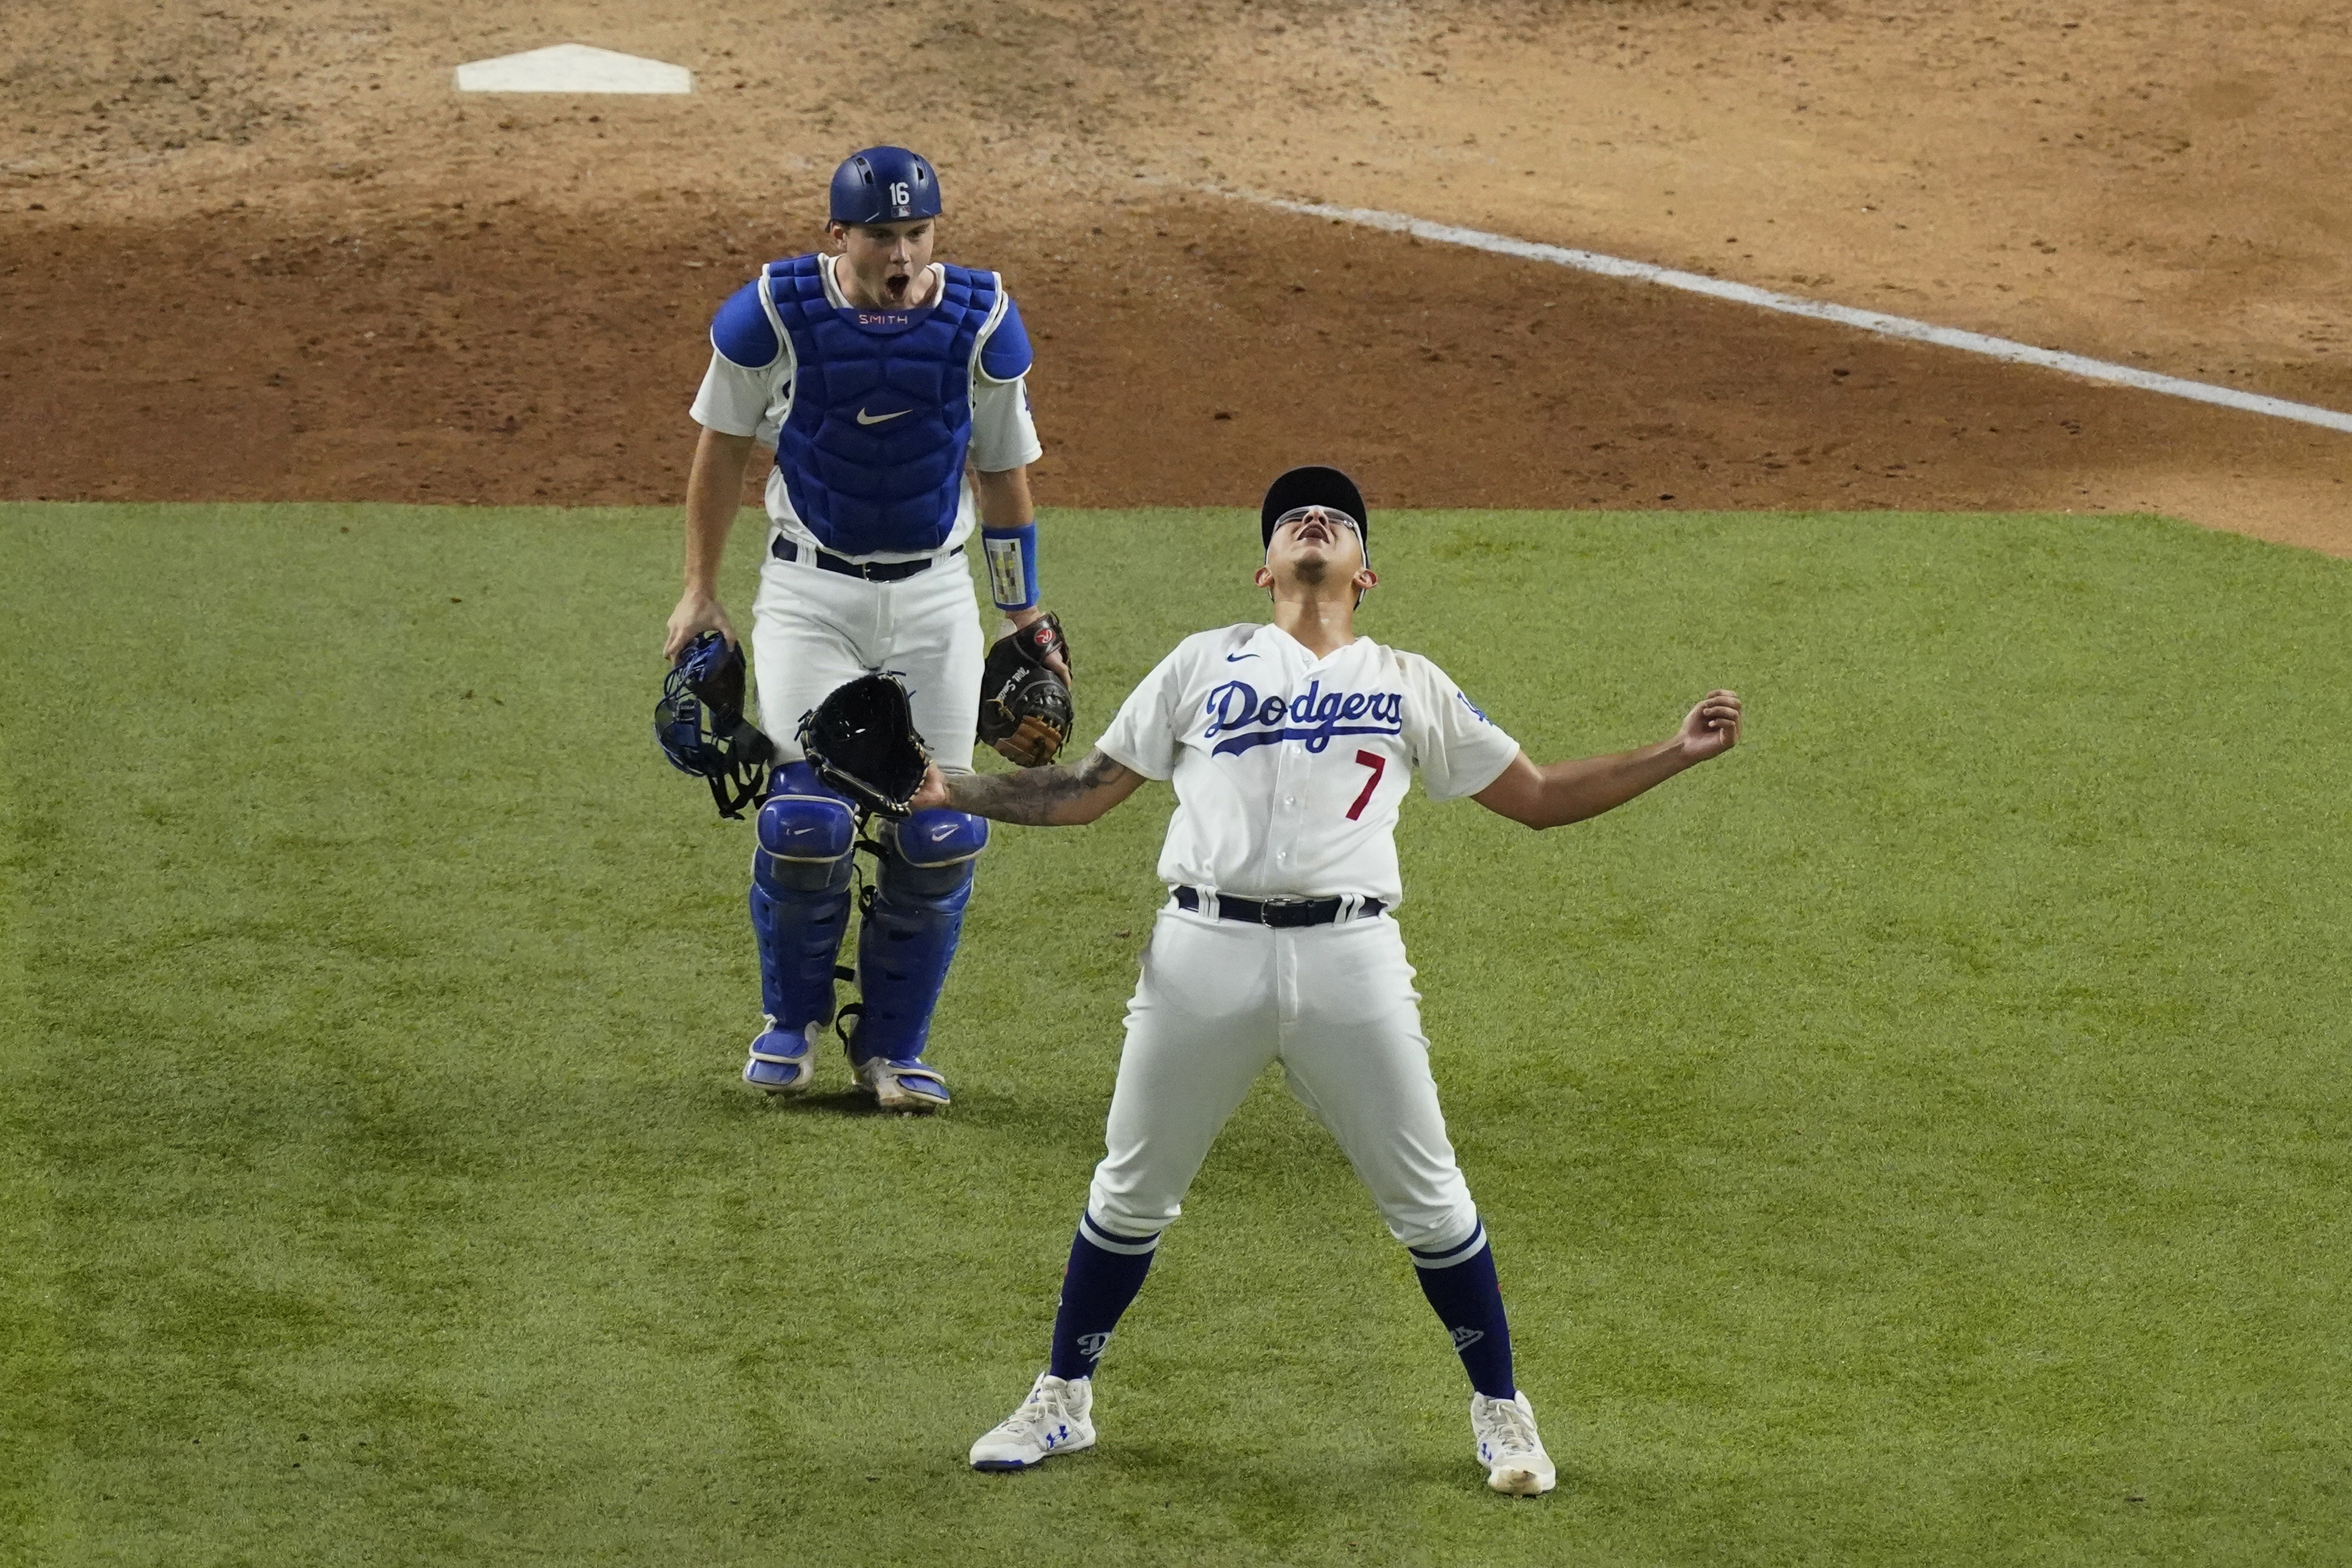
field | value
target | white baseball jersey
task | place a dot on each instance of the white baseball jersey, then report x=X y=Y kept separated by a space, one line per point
x=1289 y=768
x=754 y=400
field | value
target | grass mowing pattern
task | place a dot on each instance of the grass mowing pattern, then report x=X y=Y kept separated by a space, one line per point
x=1920 y=1137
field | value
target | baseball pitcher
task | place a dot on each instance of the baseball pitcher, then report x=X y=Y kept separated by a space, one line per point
x=1290 y=746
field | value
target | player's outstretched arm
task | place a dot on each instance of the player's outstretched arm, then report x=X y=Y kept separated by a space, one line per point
x=1038 y=797
x=1557 y=793
x=714 y=489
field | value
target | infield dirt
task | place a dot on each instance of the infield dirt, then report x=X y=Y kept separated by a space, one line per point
x=268 y=252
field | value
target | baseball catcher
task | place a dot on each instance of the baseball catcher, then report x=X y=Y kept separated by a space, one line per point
x=892 y=389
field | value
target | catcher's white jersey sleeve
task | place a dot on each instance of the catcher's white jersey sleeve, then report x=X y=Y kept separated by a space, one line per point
x=1003 y=436
x=1289 y=768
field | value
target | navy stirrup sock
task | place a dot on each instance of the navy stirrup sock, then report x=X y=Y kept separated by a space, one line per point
x=1106 y=1271
x=1460 y=1282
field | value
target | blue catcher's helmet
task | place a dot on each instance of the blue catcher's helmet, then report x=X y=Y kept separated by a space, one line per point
x=884 y=184
x=700 y=725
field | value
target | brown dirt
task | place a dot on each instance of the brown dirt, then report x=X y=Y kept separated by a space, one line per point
x=257 y=253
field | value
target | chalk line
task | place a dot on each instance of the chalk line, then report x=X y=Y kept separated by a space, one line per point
x=1874 y=321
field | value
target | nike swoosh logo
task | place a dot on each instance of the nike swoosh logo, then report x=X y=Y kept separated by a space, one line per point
x=1237 y=657
x=866 y=419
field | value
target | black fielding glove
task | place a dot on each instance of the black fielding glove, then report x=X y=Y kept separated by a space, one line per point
x=1025 y=709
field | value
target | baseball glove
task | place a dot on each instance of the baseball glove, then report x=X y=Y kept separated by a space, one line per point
x=700 y=726
x=1025 y=711
x=861 y=740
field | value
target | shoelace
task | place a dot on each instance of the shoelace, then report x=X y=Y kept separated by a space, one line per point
x=1036 y=1412
x=1516 y=1431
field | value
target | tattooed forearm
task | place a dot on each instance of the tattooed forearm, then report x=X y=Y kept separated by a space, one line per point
x=1045 y=797
x=1027 y=797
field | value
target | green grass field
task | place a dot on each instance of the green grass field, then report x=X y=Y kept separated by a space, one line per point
x=1919 y=1138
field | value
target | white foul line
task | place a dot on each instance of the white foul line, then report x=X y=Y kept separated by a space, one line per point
x=1885 y=326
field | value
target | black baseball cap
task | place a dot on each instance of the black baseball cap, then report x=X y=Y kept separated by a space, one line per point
x=1314 y=486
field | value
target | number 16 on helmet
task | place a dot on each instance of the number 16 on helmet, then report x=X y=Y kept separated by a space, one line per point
x=884 y=184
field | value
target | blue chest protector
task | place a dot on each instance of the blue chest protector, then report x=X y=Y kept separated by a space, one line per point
x=873 y=449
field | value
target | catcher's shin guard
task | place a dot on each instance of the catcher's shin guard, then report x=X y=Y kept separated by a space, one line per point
x=800 y=895
x=909 y=936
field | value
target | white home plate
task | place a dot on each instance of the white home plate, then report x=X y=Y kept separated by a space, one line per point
x=572 y=67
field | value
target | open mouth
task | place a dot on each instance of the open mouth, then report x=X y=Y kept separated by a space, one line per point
x=895 y=287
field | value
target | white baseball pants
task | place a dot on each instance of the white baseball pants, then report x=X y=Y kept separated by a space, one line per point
x=814 y=630
x=1334 y=1004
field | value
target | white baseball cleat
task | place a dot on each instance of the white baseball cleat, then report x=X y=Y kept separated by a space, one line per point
x=1508 y=1445
x=783 y=1061
x=1056 y=1418
x=902 y=1086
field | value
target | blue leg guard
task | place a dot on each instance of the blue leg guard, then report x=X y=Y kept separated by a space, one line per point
x=800 y=896
x=908 y=935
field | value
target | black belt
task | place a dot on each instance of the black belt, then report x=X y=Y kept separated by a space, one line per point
x=1280 y=911
x=783 y=548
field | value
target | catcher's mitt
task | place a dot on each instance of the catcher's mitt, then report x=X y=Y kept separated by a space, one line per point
x=1025 y=711
x=861 y=740
x=700 y=726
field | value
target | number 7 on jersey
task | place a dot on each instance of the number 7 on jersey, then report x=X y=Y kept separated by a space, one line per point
x=1379 y=764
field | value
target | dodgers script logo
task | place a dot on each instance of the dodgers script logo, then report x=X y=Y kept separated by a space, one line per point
x=1314 y=716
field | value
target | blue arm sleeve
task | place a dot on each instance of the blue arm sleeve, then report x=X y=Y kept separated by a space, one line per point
x=740 y=331
x=1005 y=356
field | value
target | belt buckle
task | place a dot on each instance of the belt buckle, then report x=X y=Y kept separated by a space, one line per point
x=1267 y=909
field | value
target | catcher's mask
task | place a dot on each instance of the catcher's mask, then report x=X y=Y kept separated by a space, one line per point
x=700 y=726
x=861 y=740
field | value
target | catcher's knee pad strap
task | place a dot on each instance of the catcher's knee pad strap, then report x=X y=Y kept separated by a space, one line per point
x=806 y=831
